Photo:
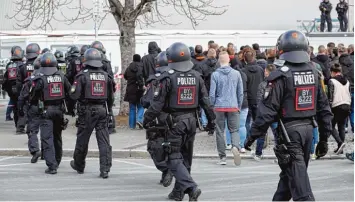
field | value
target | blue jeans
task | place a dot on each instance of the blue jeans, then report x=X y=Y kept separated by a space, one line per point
x=242 y=128
x=261 y=140
x=315 y=140
x=203 y=118
x=135 y=110
x=9 y=108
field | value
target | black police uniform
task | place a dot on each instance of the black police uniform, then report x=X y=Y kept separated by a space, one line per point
x=326 y=8
x=180 y=92
x=33 y=113
x=25 y=71
x=293 y=97
x=62 y=65
x=10 y=77
x=156 y=138
x=74 y=65
x=93 y=88
x=51 y=87
x=108 y=69
x=342 y=10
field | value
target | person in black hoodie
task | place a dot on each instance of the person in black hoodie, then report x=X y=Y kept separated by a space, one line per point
x=199 y=58
x=323 y=60
x=134 y=92
x=339 y=100
x=255 y=75
x=149 y=60
x=347 y=65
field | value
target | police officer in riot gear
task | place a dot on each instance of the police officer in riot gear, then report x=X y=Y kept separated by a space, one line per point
x=157 y=137
x=326 y=8
x=106 y=63
x=10 y=78
x=62 y=65
x=294 y=97
x=45 y=50
x=179 y=94
x=74 y=65
x=93 y=88
x=50 y=89
x=108 y=69
x=33 y=115
x=25 y=71
x=82 y=51
x=342 y=10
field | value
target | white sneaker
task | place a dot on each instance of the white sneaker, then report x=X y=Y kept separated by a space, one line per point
x=222 y=161
x=313 y=157
x=257 y=157
x=242 y=150
x=228 y=147
x=237 y=158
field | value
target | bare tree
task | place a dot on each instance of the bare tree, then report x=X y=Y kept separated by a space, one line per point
x=40 y=14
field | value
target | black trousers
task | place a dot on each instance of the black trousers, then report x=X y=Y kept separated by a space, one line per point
x=326 y=18
x=343 y=21
x=294 y=181
x=151 y=147
x=90 y=117
x=34 y=120
x=51 y=135
x=14 y=109
x=181 y=137
x=22 y=120
x=341 y=114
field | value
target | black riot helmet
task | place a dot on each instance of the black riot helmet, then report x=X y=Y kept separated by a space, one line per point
x=32 y=50
x=48 y=64
x=16 y=53
x=73 y=51
x=83 y=49
x=37 y=62
x=179 y=57
x=59 y=56
x=45 y=51
x=99 y=46
x=92 y=58
x=292 y=47
x=161 y=59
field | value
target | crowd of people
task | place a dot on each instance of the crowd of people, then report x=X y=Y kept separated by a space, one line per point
x=252 y=66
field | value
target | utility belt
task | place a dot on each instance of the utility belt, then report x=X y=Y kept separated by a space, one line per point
x=281 y=149
x=156 y=132
x=178 y=116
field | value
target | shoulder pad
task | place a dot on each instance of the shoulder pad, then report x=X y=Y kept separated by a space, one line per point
x=85 y=70
x=284 y=69
x=171 y=71
x=37 y=77
x=77 y=62
x=275 y=75
x=157 y=74
x=279 y=63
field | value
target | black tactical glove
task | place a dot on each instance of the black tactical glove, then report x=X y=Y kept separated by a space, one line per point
x=322 y=149
x=248 y=142
x=147 y=123
x=20 y=112
x=211 y=126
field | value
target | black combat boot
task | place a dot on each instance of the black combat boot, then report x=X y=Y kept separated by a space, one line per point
x=194 y=194
x=35 y=157
x=104 y=175
x=51 y=171
x=72 y=164
x=176 y=195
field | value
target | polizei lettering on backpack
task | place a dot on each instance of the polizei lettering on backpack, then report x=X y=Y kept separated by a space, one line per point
x=303 y=78
x=186 y=81
x=97 y=77
x=54 y=79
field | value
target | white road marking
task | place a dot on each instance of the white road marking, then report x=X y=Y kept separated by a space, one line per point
x=133 y=163
x=7 y=158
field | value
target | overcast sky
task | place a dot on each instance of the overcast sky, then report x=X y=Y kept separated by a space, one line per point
x=241 y=15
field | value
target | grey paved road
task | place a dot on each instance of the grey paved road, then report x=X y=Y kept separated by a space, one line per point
x=136 y=179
